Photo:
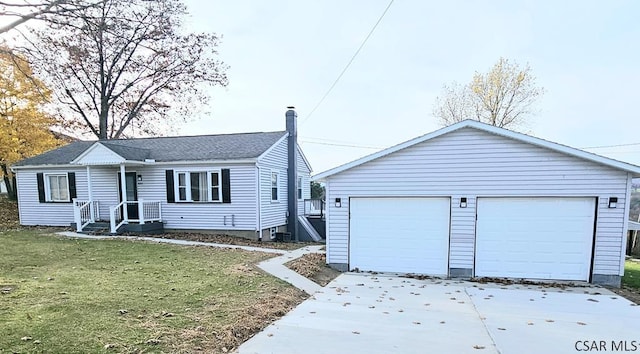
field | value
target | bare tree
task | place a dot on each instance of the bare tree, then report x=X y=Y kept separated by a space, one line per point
x=47 y=10
x=503 y=97
x=125 y=67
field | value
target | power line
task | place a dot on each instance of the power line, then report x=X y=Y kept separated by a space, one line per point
x=610 y=146
x=345 y=145
x=349 y=63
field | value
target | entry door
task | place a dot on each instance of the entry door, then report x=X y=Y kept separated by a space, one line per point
x=132 y=193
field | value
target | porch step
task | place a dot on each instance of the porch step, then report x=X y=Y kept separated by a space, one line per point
x=97 y=228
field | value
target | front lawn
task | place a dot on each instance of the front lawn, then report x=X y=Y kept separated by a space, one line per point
x=60 y=295
x=631 y=276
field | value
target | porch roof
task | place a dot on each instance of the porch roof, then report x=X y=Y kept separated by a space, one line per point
x=166 y=149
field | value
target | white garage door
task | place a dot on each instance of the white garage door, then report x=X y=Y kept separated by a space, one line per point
x=538 y=238
x=406 y=235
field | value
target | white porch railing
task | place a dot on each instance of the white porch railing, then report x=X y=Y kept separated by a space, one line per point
x=148 y=211
x=314 y=207
x=85 y=212
x=115 y=217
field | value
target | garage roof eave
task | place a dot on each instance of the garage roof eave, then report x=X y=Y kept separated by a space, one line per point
x=635 y=170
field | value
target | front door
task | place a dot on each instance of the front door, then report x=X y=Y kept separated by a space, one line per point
x=132 y=193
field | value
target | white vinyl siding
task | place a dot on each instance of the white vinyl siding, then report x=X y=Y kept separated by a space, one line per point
x=240 y=214
x=273 y=213
x=32 y=212
x=471 y=163
x=305 y=174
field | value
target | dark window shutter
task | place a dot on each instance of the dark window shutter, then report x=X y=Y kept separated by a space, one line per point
x=41 y=196
x=226 y=186
x=171 y=197
x=71 y=177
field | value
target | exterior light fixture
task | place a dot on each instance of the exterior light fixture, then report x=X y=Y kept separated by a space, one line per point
x=463 y=202
x=613 y=202
x=338 y=203
x=139 y=178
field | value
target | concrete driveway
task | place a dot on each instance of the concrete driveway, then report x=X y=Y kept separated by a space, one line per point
x=365 y=313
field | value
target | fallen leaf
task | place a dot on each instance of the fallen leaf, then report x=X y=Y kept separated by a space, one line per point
x=478 y=347
x=270 y=335
x=549 y=320
x=581 y=323
x=26 y=339
x=372 y=307
x=442 y=322
x=502 y=329
x=416 y=322
x=355 y=332
x=592 y=300
x=530 y=323
x=122 y=311
x=346 y=304
x=401 y=310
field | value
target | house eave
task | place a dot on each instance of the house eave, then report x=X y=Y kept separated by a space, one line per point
x=141 y=163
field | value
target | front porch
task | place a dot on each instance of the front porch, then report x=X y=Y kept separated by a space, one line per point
x=148 y=217
x=112 y=190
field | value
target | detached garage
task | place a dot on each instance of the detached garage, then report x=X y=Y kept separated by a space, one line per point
x=473 y=200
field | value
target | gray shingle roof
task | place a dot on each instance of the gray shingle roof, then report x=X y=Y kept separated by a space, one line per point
x=179 y=148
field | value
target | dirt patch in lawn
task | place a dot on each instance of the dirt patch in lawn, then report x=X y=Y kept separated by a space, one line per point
x=629 y=293
x=229 y=240
x=314 y=266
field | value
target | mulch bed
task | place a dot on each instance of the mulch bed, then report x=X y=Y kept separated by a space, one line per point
x=9 y=218
x=630 y=294
x=228 y=240
x=314 y=266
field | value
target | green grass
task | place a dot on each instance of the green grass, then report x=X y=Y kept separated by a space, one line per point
x=631 y=276
x=66 y=295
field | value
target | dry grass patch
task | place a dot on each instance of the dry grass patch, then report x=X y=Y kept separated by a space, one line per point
x=105 y=296
x=314 y=266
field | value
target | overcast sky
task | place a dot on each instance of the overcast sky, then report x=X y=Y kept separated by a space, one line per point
x=586 y=54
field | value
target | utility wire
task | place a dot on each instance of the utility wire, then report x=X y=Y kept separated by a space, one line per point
x=349 y=63
x=345 y=145
x=610 y=146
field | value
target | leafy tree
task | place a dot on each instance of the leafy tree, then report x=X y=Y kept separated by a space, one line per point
x=46 y=10
x=126 y=68
x=317 y=190
x=503 y=97
x=24 y=126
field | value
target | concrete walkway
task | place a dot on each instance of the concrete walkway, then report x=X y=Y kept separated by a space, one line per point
x=274 y=266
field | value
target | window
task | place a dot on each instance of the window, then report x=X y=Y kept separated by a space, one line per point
x=199 y=186
x=57 y=188
x=274 y=186
x=299 y=188
x=216 y=191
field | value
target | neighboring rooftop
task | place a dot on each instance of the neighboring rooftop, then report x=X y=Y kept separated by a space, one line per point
x=179 y=148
